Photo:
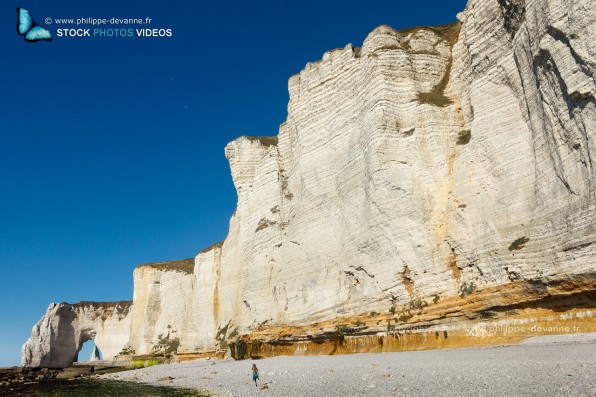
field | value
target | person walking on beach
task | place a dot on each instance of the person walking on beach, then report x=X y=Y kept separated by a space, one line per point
x=255 y=374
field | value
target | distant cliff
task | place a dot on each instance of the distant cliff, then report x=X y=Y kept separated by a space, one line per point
x=436 y=181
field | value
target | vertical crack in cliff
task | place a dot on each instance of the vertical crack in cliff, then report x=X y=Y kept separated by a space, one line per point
x=575 y=99
x=561 y=37
x=453 y=266
x=548 y=77
x=543 y=118
x=408 y=283
x=437 y=97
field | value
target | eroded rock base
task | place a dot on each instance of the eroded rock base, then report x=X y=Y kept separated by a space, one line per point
x=424 y=326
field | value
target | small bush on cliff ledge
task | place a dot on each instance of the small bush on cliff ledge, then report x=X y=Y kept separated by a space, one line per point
x=418 y=304
x=389 y=326
x=405 y=316
x=464 y=137
x=127 y=351
x=519 y=243
x=466 y=289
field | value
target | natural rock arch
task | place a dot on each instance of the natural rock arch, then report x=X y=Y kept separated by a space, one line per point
x=89 y=351
x=59 y=336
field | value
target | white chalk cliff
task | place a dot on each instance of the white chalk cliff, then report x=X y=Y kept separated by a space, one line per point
x=57 y=338
x=453 y=163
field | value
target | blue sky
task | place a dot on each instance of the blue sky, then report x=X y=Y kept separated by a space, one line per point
x=111 y=149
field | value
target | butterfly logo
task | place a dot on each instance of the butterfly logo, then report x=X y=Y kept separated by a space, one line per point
x=27 y=27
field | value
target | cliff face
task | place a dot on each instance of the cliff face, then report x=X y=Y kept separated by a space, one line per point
x=161 y=306
x=527 y=85
x=409 y=169
x=433 y=174
x=330 y=218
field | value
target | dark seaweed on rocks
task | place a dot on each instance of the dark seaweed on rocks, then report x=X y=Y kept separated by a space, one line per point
x=93 y=388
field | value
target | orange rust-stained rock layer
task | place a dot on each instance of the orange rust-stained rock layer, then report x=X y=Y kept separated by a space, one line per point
x=486 y=317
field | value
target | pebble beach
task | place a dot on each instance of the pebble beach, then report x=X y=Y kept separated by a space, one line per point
x=543 y=366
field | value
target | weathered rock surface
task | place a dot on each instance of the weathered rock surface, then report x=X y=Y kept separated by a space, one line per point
x=161 y=308
x=9 y=377
x=57 y=338
x=450 y=165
